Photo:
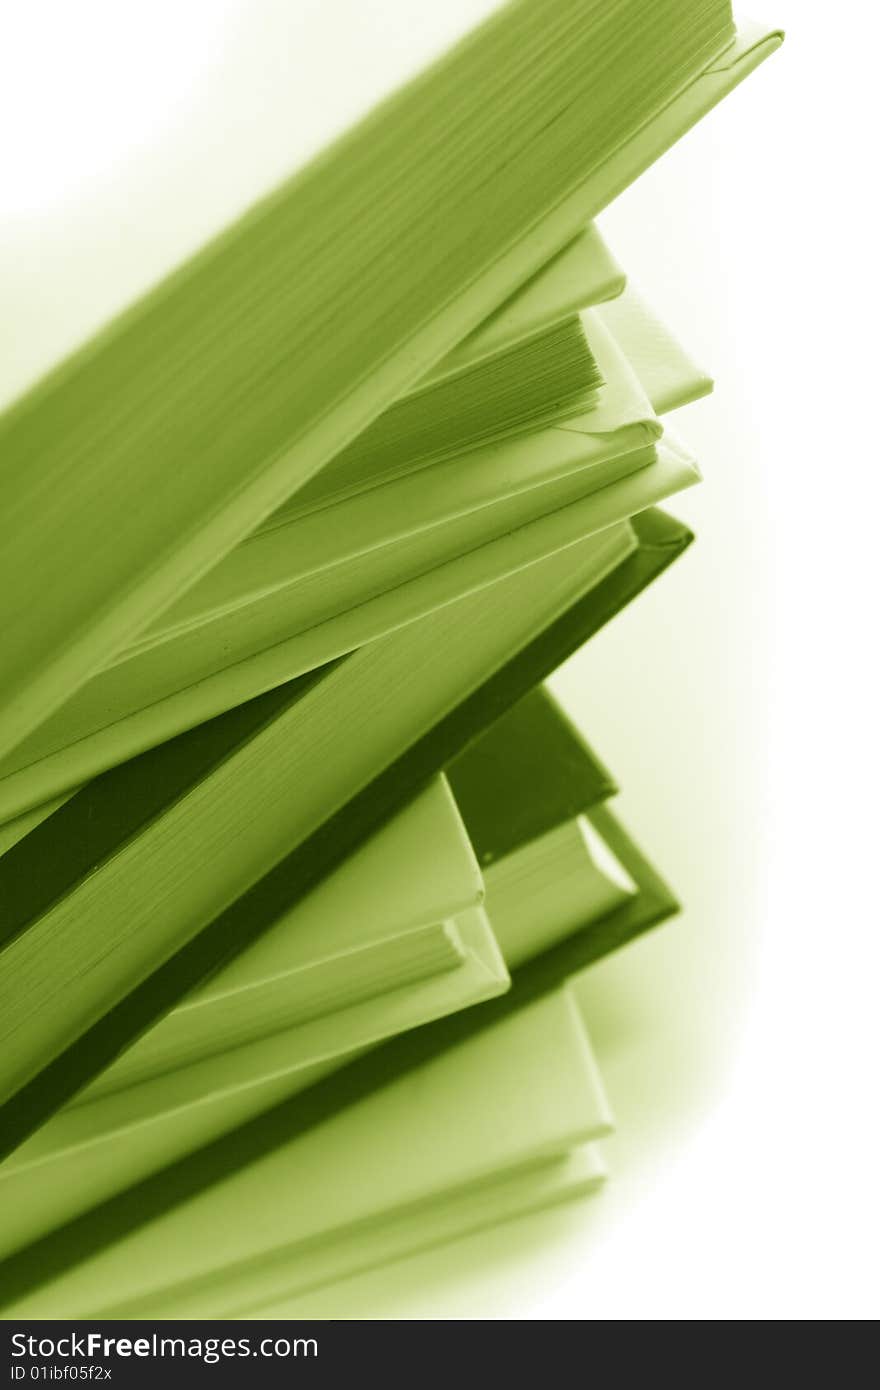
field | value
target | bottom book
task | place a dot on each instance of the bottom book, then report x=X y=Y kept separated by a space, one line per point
x=463 y=1122
x=502 y=1123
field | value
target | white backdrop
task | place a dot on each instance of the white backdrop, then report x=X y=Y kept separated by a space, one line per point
x=736 y=702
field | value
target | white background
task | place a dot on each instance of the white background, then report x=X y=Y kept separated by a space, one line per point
x=737 y=702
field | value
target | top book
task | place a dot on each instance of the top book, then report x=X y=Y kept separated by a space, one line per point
x=430 y=173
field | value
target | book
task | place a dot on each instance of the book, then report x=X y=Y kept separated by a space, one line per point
x=546 y=376
x=584 y=273
x=451 y=680
x=668 y=375
x=298 y=595
x=565 y=883
x=529 y=361
x=572 y=1174
x=159 y=500
x=574 y=904
x=527 y=790
x=568 y=877
x=504 y=1122
x=526 y=774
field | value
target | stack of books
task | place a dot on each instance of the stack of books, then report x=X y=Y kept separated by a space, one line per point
x=300 y=863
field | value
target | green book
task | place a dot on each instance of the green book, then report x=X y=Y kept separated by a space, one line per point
x=502 y=1123
x=527 y=790
x=582 y=274
x=203 y=842
x=548 y=376
x=528 y=362
x=552 y=912
x=668 y=375
x=174 y=433
x=565 y=884
x=301 y=594
x=526 y=775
